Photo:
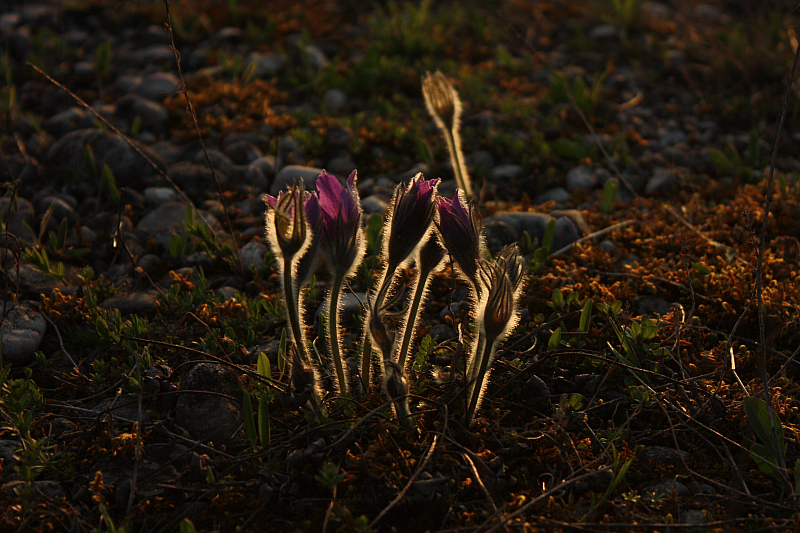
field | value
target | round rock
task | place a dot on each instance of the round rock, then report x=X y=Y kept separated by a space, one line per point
x=22 y=332
x=128 y=165
x=210 y=417
x=289 y=173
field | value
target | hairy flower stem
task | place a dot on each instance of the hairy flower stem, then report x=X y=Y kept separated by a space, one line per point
x=420 y=288
x=333 y=332
x=366 y=352
x=291 y=298
x=366 y=362
x=485 y=350
x=453 y=140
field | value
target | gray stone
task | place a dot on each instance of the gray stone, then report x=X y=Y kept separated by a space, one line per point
x=220 y=161
x=670 y=136
x=533 y=223
x=60 y=208
x=694 y=517
x=156 y=196
x=334 y=99
x=84 y=72
x=7 y=450
x=289 y=173
x=168 y=219
x=242 y=152
x=157 y=86
x=134 y=303
x=199 y=259
x=556 y=194
x=317 y=56
x=508 y=172
x=662 y=178
x=608 y=246
x=652 y=457
x=565 y=233
x=441 y=332
x=155 y=54
x=651 y=305
x=128 y=166
x=8 y=21
x=341 y=164
x=252 y=255
x=21 y=333
x=65 y=121
x=195 y=178
x=210 y=417
x=349 y=306
x=406 y=176
x=604 y=32
x=582 y=178
x=150 y=113
x=263 y=65
x=225 y=293
x=667 y=488
x=228 y=33
x=150 y=263
x=498 y=234
x=260 y=171
x=43 y=489
x=34 y=282
x=21 y=213
x=374 y=203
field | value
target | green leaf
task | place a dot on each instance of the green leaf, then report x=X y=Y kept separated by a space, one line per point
x=796 y=474
x=549 y=233
x=102 y=328
x=610 y=190
x=110 y=185
x=88 y=159
x=586 y=317
x=61 y=237
x=558 y=299
x=263 y=366
x=758 y=415
x=555 y=340
x=701 y=268
x=765 y=461
x=247 y=413
x=175 y=245
x=187 y=526
x=374 y=228
x=264 y=432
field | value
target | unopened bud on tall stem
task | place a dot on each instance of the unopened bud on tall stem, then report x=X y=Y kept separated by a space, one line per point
x=444 y=105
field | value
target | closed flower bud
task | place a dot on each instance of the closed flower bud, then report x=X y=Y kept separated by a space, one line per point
x=460 y=229
x=410 y=216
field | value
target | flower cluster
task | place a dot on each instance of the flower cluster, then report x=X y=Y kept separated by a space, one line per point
x=323 y=230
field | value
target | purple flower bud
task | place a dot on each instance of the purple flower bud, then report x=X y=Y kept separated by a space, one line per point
x=410 y=215
x=342 y=236
x=460 y=229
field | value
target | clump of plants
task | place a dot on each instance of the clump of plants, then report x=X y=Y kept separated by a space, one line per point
x=323 y=231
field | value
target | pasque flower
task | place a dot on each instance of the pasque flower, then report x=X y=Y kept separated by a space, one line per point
x=408 y=223
x=460 y=229
x=289 y=235
x=410 y=215
x=444 y=105
x=343 y=244
x=496 y=317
